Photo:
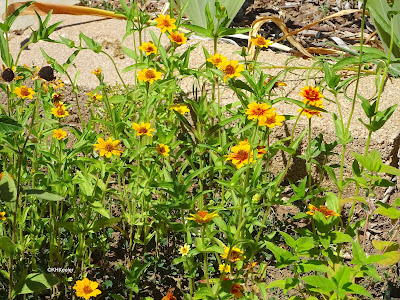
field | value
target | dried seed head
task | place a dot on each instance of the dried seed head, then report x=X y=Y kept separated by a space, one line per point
x=8 y=75
x=47 y=73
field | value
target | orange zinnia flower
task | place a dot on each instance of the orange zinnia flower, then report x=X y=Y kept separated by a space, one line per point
x=257 y=110
x=59 y=134
x=149 y=75
x=169 y=296
x=261 y=41
x=149 y=48
x=235 y=255
x=323 y=209
x=2 y=173
x=86 y=288
x=312 y=112
x=271 y=119
x=217 y=59
x=108 y=147
x=236 y=290
x=241 y=154
x=59 y=111
x=178 y=38
x=165 y=23
x=311 y=94
x=24 y=92
x=203 y=217
x=231 y=69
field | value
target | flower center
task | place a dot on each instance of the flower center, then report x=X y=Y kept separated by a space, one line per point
x=150 y=74
x=242 y=155
x=166 y=23
x=230 y=70
x=60 y=110
x=234 y=255
x=25 y=91
x=143 y=130
x=259 y=111
x=109 y=147
x=178 y=39
x=87 y=289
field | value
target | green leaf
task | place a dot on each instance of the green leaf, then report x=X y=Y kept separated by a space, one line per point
x=344 y=138
x=356 y=289
x=8 y=191
x=91 y=43
x=36 y=282
x=380 y=245
x=320 y=282
x=7 y=245
x=98 y=207
x=283 y=257
x=358 y=254
x=312 y=266
x=372 y=162
x=286 y=284
x=9 y=125
x=391 y=258
x=340 y=237
x=43 y=195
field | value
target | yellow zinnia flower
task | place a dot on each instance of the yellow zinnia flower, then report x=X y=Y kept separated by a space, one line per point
x=261 y=41
x=217 y=59
x=162 y=149
x=143 y=129
x=59 y=111
x=24 y=92
x=184 y=250
x=235 y=254
x=224 y=268
x=178 y=38
x=311 y=94
x=149 y=75
x=257 y=110
x=149 y=48
x=312 y=112
x=323 y=209
x=107 y=148
x=271 y=119
x=165 y=23
x=231 y=69
x=86 y=288
x=59 y=134
x=3 y=215
x=97 y=72
x=180 y=108
x=203 y=217
x=241 y=154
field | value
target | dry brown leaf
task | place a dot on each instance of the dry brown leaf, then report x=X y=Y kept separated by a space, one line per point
x=43 y=9
x=259 y=22
x=323 y=51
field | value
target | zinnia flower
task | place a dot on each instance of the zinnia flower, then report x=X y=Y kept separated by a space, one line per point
x=86 y=288
x=224 y=268
x=149 y=48
x=180 y=108
x=59 y=134
x=235 y=255
x=108 y=147
x=217 y=59
x=241 y=154
x=143 y=129
x=2 y=173
x=178 y=38
x=277 y=83
x=96 y=97
x=184 y=250
x=162 y=149
x=271 y=119
x=149 y=75
x=311 y=94
x=231 y=69
x=323 y=209
x=236 y=290
x=203 y=217
x=3 y=215
x=59 y=111
x=97 y=72
x=165 y=23
x=257 y=110
x=57 y=97
x=24 y=92
x=312 y=112
x=169 y=296
x=261 y=41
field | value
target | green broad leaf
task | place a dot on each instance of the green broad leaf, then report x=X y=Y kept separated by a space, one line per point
x=286 y=284
x=231 y=31
x=372 y=162
x=320 y=282
x=199 y=245
x=56 y=66
x=331 y=173
x=332 y=202
x=312 y=266
x=199 y=30
x=356 y=289
x=380 y=245
x=389 y=170
x=102 y=223
x=391 y=258
x=36 y=282
x=283 y=257
x=358 y=254
x=7 y=245
x=97 y=206
x=69 y=43
x=289 y=240
x=386 y=210
x=340 y=237
x=9 y=125
x=350 y=200
x=215 y=249
x=131 y=53
x=8 y=191
x=374 y=259
x=91 y=43
x=304 y=244
x=241 y=85
x=40 y=194
x=340 y=130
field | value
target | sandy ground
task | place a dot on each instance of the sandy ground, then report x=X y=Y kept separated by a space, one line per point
x=109 y=33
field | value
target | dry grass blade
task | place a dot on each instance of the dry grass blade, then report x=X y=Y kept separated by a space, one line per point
x=322 y=51
x=43 y=9
x=259 y=22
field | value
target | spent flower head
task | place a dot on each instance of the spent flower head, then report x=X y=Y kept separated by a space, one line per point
x=169 y=296
x=86 y=288
x=109 y=147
